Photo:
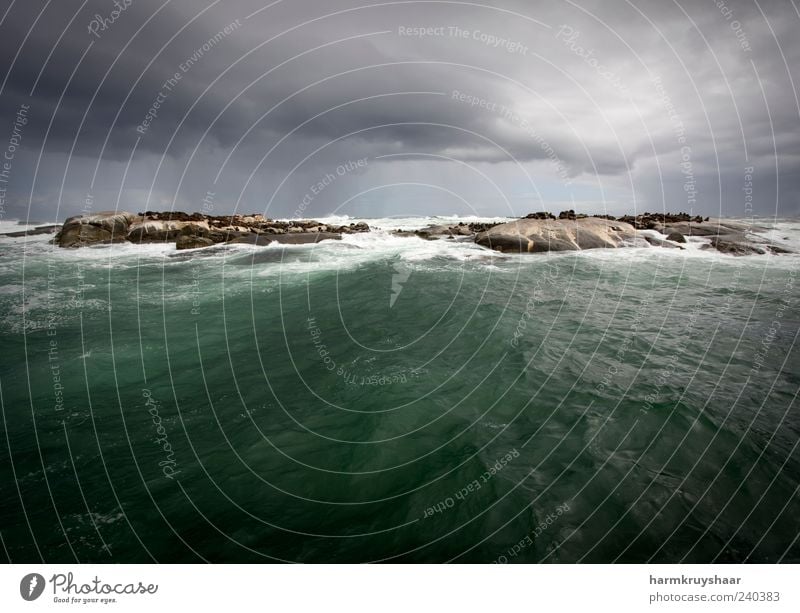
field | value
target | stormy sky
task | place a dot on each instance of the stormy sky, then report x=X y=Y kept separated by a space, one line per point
x=303 y=108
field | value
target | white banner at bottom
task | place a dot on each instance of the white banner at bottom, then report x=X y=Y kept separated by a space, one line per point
x=398 y=588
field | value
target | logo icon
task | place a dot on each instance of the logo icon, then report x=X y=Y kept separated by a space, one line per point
x=400 y=276
x=31 y=586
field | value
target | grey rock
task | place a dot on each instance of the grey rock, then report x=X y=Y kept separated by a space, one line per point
x=99 y=228
x=185 y=241
x=540 y=235
x=735 y=244
x=657 y=242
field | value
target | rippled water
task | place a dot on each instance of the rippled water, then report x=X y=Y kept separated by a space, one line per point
x=385 y=398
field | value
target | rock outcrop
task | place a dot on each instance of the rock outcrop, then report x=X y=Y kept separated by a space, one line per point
x=542 y=231
x=99 y=228
x=658 y=242
x=539 y=235
x=733 y=244
x=537 y=232
x=186 y=241
x=195 y=230
x=742 y=244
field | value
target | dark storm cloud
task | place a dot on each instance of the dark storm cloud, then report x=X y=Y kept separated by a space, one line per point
x=648 y=104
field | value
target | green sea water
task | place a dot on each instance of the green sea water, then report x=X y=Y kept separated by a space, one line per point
x=386 y=399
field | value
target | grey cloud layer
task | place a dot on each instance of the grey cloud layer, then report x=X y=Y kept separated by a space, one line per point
x=644 y=105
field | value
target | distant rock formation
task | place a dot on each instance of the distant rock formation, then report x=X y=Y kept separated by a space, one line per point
x=659 y=221
x=460 y=229
x=49 y=229
x=193 y=231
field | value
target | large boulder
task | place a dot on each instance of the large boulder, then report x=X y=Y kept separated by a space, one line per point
x=195 y=228
x=658 y=242
x=741 y=243
x=186 y=241
x=734 y=244
x=98 y=228
x=539 y=235
x=436 y=231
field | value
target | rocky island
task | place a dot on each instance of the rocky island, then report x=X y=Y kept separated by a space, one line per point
x=195 y=230
x=543 y=231
x=534 y=233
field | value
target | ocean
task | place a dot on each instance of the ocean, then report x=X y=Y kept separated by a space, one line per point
x=391 y=399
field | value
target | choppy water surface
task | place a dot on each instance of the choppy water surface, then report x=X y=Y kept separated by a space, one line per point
x=384 y=398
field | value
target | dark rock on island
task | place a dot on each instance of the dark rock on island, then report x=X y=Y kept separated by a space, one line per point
x=186 y=241
x=460 y=229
